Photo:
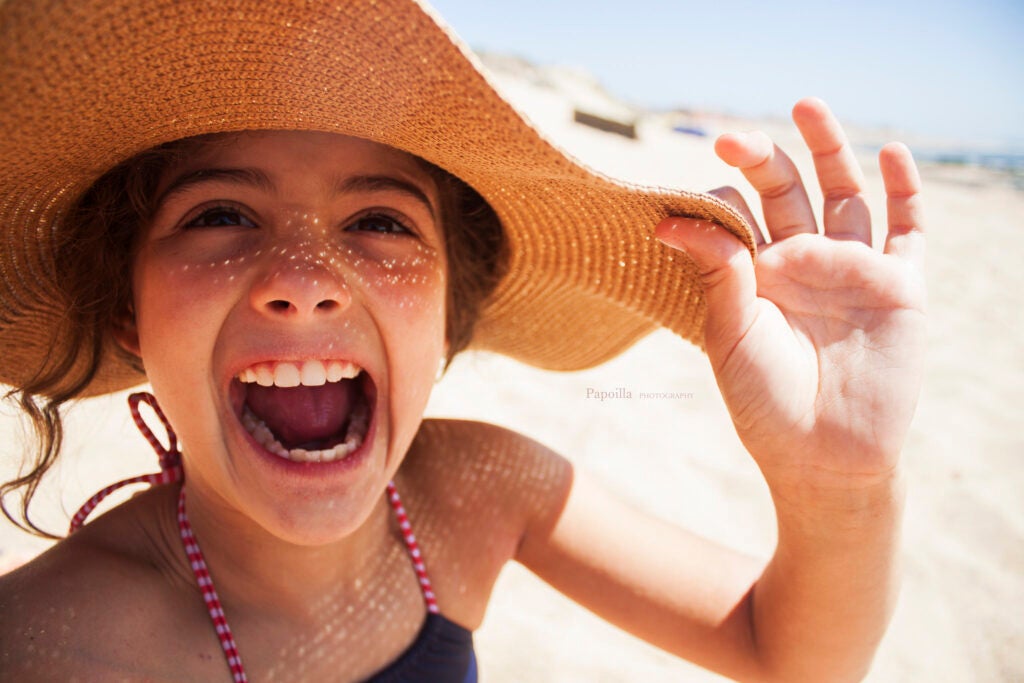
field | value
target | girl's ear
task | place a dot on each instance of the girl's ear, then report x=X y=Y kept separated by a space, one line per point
x=126 y=333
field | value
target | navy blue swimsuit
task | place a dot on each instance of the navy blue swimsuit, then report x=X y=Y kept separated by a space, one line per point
x=442 y=652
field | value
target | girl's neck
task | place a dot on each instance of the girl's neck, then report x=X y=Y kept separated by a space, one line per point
x=258 y=572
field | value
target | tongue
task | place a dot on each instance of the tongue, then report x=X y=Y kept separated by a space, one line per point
x=300 y=416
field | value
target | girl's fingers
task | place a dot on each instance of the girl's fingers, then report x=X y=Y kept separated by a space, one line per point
x=787 y=211
x=731 y=196
x=845 y=215
x=905 y=237
x=726 y=274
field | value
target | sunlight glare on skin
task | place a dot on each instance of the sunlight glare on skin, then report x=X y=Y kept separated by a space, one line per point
x=307 y=252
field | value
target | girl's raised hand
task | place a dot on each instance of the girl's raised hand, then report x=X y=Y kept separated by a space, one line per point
x=818 y=348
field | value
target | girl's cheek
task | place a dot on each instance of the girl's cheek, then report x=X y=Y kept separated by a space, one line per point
x=411 y=281
x=409 y=293
x=210 y=277
x=197 y=261
x=174 y=299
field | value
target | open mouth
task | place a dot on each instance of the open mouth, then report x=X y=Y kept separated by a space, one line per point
x=308 y=411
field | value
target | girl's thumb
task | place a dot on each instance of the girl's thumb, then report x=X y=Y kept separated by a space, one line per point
x=726 y=273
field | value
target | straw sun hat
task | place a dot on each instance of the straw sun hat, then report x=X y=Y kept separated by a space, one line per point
x=86 y=84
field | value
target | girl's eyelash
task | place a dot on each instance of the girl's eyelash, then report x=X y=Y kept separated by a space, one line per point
x=219 y=216
x=229 y=215
x=381 y=222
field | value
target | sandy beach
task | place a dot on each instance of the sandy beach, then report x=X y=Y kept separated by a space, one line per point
x=958 y=617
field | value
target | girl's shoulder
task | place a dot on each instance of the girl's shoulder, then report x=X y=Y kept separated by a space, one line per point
x=475 y=466
x=89 y=604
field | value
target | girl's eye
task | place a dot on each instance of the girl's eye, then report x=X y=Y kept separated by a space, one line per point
x=381 y=224
x=220 y=217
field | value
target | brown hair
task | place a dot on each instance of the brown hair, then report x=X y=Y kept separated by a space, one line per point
x=94 y=257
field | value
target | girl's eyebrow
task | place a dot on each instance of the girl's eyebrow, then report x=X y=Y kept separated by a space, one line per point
x=385 y=183
x=240 y=176
x=260 y=180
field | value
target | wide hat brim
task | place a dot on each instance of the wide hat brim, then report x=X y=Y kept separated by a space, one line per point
x=86 y=84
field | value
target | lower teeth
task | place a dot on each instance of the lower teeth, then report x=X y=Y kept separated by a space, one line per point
x=353 y=438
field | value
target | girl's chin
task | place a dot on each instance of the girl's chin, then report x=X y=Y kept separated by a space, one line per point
x=302 y=503
x=301 y=516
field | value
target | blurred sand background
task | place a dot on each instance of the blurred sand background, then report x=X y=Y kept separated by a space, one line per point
x=959 y=615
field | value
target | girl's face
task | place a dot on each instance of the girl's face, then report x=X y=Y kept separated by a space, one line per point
x=311 y=262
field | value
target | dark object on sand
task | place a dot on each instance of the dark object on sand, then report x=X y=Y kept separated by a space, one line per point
x=691 y=130
x=608 y=125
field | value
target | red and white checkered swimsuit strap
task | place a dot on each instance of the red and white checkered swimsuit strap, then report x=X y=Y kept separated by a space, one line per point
x=170 y=471
x=170 y=459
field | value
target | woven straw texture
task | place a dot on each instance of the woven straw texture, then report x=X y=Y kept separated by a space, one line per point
x=85 y=84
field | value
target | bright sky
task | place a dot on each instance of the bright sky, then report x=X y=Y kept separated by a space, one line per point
x=942 y=67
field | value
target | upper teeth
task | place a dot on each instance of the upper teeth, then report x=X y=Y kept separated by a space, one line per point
x=310 y=373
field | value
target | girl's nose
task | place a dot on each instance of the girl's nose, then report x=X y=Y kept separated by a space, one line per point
x=299 y=288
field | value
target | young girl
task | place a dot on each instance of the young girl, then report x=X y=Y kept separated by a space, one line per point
x=286 y=216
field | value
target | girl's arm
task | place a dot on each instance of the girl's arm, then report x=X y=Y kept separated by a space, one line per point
x=818 y=353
